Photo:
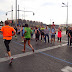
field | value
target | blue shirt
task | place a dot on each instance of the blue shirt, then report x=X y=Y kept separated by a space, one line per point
x=53 y=30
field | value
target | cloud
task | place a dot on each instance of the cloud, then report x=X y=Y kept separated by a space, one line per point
x=2 y=12
x=48 y=4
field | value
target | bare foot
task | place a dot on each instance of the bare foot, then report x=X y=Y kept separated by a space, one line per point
x=23 y=50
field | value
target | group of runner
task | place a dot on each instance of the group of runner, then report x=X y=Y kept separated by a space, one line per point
x=28 y=32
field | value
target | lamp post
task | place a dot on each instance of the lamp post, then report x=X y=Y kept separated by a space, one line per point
x=26 y=11
x=66 y=5
x=11 y=13
x=16 y=13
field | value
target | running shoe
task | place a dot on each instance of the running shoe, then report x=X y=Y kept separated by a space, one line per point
x=23 y=50
x=22 y=41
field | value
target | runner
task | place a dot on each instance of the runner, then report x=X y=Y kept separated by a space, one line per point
x=16 y=32
x=22 y=30
x=42 y=32
x=37 y=34
x=53 y=32
x=7 y=36
x=46 y=33
x=28 y=32
x=59 y=34
x=18 y=29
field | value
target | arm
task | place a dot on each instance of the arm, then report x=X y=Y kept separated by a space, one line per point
x=35 y=31
x=1 y=31
x=14 y=32
x=20 y=30
x=69 y=35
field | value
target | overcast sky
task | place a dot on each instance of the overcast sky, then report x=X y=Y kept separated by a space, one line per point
x=46 y=11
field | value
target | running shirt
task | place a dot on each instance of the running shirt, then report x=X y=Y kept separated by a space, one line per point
x=28 y=32
x=33 y=31
x=7 y=32
x=23 y=31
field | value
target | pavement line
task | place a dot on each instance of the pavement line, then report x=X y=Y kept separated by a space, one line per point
x=56 y=58
x=30 y=53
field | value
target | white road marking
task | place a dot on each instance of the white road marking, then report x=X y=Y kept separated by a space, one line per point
x=67 y=69
x=30 y=53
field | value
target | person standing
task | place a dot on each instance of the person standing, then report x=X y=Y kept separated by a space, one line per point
x=27 y=35
x=53 y=32
x=42 y=32
x=46 y=33
x=59 y=34
x=70 y=34
x=37 y=34
x=7 y=36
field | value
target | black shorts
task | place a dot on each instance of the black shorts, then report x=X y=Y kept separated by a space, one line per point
x=42 y=33
x=6 y=42
x=27 y=39
x=53 y=36
x=37 y=36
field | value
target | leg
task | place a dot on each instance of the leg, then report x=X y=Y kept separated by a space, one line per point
x=68 y=40
x=54 y=38
x=30 y=45
x=36 y=37
x=22 y=39
x=41 y=36
x=60 y=39
x=45 y=38
x=6 y=42
x=51 y=38
x=48 y=38
x=24 y=45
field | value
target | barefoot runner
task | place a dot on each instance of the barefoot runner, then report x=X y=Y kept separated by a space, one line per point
x=27 y=35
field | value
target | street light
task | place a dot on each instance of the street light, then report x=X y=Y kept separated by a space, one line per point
x=66 y=5
x=26 y=11
x=10 y=11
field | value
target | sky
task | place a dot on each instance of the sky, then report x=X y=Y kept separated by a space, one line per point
x=46 y=11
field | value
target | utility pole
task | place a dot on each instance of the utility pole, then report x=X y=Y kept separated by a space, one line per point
x=24 y=13
x=16 y=13
x=12 y=14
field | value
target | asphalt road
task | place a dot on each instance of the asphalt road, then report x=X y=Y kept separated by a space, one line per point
x=56 y=57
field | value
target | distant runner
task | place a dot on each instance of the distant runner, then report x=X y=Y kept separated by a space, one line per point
x=23 y=31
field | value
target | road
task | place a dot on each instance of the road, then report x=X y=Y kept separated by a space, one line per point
x=56 y=57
